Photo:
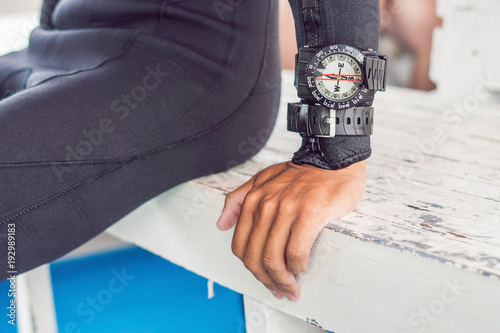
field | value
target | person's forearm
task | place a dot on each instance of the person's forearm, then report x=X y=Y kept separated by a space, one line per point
x=46 y=14
x=322 y=23
x=351 y=22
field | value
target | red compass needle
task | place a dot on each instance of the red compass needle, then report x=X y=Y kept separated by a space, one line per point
x=338 y=78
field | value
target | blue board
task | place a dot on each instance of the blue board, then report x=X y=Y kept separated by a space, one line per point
x=133 y=290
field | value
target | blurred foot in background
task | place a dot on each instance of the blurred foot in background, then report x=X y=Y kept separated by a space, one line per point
x=410 y=23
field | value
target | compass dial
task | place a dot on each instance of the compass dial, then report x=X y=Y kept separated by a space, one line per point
x=338 y=77
x=335 y=77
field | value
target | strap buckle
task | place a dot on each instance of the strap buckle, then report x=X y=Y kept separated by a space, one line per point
x=318 y=122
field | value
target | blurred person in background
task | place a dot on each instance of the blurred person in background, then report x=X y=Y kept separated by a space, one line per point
x=407 y=27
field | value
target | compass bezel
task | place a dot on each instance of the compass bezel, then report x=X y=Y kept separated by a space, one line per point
x=357 y=98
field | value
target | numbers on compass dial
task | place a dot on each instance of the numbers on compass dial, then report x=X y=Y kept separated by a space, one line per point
x=338 y=77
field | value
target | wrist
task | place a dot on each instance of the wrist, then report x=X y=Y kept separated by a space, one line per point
x=333 y=153
x=336 y=85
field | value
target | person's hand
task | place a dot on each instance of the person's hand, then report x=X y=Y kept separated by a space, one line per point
x=279 y=213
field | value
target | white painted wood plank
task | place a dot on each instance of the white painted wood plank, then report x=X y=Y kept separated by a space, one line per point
x=414 y=236
x=24 y=317
x=336 y=291
x=260 y=318
x=38 y=314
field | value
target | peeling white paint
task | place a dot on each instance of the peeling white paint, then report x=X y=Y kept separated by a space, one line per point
x=430 y=217
x=210 y=287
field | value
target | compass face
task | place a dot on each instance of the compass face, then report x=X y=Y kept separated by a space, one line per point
x=335 y=77
x=338 y=77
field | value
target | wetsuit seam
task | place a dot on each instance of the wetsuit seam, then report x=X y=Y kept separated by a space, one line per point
x=266 y=49
x=147 y=155
x=117 y=56
x=19 y=165
x=60 y=194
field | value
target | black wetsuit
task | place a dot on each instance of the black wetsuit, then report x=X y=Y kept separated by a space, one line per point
x=116 y=101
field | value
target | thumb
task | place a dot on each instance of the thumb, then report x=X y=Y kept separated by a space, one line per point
x=232 y=206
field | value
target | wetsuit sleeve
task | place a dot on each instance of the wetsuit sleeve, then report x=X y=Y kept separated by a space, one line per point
x=46 y=14
x=327 y=22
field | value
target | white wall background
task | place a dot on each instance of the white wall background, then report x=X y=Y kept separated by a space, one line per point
x=8 y=7
x=17 y=19
x=466 y=48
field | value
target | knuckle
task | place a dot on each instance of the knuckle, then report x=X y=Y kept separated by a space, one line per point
x=272 y=287
x=270 y=263
x=286 y=205
x=296 y=255
x=252 y=198
x=267 y=205
x=236 y=250
x=251 y=263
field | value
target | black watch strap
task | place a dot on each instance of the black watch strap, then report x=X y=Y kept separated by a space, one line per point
x=319 y=121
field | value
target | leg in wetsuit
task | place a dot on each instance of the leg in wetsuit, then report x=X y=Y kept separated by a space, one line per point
x=116 y=101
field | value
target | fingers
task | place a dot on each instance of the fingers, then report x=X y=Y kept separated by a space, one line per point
x=300 y=243
x=249 y=239
x=234 y=200
x=252 y=254
x=244 y=225
x=261 y=238
x=275 y=260
x=232 y=206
